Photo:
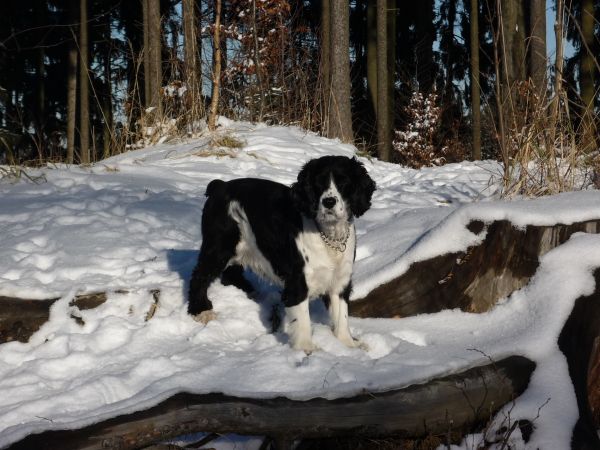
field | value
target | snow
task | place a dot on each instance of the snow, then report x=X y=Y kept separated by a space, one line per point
x=132 y=222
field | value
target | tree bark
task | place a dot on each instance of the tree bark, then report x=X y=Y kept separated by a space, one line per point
x=258 y=64
x=216 y=76
x=538 y=61
x=191 y=59
x=558 y=71
x=154 y=30
x=72 y=86
x=340 y=114
x=84 y=98
x=392 y=22
x=107 y=103
x=384 y=131
x=41 y=11
x=456 y=402
x=587 y=76
x=372 y=53
x=498 y=37
x=326 y=62
x=513 y=57
x=475 y=86
x=146 y=50
x=426 y=34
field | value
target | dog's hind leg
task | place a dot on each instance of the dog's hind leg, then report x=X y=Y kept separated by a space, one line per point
x=220 y=235
x=233 y=275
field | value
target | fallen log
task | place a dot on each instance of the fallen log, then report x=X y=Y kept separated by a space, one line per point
x=455 y=402
x=472 y=280
x=20 y=318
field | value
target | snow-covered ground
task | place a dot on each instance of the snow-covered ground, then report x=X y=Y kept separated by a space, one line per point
x=133 y=222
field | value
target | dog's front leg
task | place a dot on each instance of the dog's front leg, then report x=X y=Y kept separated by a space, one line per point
x=297 y=327
x=338 y=312
x=297 y=316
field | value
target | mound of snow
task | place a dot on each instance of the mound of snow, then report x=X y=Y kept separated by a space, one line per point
x=133 y=222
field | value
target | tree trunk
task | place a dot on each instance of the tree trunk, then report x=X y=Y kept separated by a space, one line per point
x=84 y=106
x=216 y=76
x=72 y=86
x=146 y=52
x=513 y=57
x=426 y=34
x=258 y=64
x=108 y=140
x=587 y=76
x=107 y=116
x=537 y=47
x=372 y=54
x=340 y=114
x=41 y=10
x=475 y=86
x=154 y=57
x=325 y=63
x=392 y=16
x=384 y=135
x=191 y=60
x=558 y=71
x=40 y=108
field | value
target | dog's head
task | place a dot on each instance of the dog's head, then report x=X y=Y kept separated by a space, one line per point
x=333 y=188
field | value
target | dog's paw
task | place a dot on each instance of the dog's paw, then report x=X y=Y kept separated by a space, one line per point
x=205 y=316
x=311 y=349
x=347 y=340
x=306 y=346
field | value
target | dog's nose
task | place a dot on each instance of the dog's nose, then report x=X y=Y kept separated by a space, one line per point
x=329 y=202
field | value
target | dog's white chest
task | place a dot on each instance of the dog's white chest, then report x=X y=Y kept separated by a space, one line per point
x=326 y=270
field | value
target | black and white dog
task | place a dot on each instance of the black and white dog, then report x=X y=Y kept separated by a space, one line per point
x=301 y=238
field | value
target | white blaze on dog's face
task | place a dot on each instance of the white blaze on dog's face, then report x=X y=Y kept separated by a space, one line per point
x=333 y=213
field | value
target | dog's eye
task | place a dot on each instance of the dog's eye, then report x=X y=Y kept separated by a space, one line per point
x=323 y=182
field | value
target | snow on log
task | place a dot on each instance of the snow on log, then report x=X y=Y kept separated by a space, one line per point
x=20 y=318
x=473 y=280
x=456 y=402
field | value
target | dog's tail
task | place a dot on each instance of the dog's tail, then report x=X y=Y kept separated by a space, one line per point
x=215 y=187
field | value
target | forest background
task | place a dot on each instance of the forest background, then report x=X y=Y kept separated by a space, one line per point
x=418 y=83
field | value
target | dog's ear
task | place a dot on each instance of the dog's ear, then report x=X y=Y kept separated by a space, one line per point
x=364 y=186
x=303 y=192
